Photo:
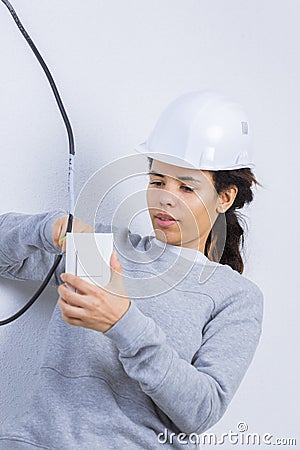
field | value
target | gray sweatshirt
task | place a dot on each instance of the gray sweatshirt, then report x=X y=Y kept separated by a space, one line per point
x=163 y=374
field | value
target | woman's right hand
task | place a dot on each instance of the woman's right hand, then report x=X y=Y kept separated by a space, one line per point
x=60 y=227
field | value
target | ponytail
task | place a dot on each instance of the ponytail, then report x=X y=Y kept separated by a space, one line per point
x=230 y=254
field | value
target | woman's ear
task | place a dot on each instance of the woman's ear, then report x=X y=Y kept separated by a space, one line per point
x=226 y=199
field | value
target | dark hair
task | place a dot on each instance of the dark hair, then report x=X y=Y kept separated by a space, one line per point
x=230 y=252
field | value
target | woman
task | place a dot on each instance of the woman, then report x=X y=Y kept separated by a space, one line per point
x=154 y=358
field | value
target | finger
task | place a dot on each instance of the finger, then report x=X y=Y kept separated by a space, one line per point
x=83 y=286
x=56 y=234
x=115 y=267
x=62 y=241
x=73 y=298
x=115 y=263
x=69 y=316
x=72 y=321
x=70 y=310
x=64 y=245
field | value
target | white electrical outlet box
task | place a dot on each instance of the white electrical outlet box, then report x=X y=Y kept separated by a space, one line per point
x=88 y=256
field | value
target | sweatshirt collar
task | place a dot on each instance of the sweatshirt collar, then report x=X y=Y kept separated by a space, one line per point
x=188 y=253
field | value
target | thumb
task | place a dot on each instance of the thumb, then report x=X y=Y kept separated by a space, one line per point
x=115 y=265
x=116 y=282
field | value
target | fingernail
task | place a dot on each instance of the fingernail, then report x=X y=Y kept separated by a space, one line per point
x=62 y=276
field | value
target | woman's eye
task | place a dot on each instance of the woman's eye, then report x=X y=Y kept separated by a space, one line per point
x=185 y=188
x=188 y=189
x=155 y=182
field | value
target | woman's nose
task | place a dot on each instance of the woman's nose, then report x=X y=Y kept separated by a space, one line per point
x=167 y=198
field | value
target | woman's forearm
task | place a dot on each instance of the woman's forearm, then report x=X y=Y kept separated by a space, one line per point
x=26 y=248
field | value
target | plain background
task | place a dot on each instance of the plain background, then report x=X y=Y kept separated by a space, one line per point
x=117 y=65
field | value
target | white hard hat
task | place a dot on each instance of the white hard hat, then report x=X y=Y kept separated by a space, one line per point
x=202 y=130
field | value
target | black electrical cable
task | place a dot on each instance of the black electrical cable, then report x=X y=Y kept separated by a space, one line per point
x=71 y=152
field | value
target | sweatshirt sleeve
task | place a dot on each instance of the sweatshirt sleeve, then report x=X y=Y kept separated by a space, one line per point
x=193 y=395
x=27 y=251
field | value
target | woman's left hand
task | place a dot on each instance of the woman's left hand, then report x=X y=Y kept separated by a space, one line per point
x=92 y=306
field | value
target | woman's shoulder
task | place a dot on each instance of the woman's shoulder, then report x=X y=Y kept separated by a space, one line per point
x=237 y=281
x=238 y=289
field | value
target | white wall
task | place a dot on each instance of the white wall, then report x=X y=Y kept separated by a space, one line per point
x=117 y=65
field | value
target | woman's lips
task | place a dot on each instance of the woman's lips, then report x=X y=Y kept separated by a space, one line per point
x=164 y=222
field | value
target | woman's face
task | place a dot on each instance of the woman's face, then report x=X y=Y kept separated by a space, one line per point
x=190 y=203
